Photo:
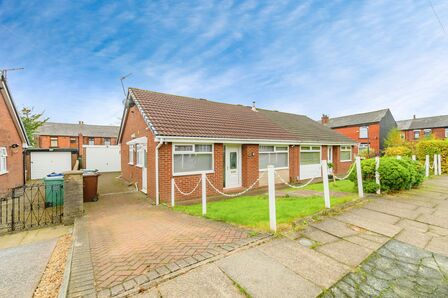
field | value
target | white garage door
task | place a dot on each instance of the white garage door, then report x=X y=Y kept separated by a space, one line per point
x=310 y=160
x=103 y=158
x=46 y=162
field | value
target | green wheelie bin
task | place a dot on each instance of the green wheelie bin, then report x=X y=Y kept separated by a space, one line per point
x=54 y=190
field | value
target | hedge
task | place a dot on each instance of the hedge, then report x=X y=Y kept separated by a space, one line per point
x=431 y=147
x=398 y=151
x=395 y=174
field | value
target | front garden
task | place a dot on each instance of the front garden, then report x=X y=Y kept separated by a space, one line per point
x=253 y=211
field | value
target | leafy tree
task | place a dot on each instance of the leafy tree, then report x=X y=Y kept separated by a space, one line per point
x=394 y=138
x=32 y=121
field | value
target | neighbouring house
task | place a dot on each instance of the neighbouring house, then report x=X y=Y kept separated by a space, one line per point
x=13 y=141
x=418 y=128
x=60 y=145
x=166 y=137
x=369 y=130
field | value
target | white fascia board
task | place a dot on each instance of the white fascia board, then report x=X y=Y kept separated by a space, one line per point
x=242 y=141
x=141 y=140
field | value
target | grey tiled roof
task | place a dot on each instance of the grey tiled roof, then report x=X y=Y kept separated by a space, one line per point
x=422 y=123
x=357 y=119
x=304 y=128
x=69 y=129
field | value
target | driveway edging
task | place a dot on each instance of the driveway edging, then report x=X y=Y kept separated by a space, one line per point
x=63 y=290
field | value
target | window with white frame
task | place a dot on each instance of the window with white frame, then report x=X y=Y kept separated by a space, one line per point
x=192 y=158
x=107 y=141
x=53 y=142
x=310 y=155
x=3 y=156
x=91 y=141
x=427 y=132
x=446 y=132
x=273 y=155
x=416 y=134
x=364 y=132
x=346 y=153
x=140 y=156
x=131 y=154
x=363 y=147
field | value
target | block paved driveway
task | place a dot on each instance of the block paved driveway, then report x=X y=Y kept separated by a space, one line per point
x=129 y=237
x=393 y=246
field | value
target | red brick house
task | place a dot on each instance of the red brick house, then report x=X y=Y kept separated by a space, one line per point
x=368 y=130
x=68 y=135
x=165 y=136
x=13 y=141
x=419 y=128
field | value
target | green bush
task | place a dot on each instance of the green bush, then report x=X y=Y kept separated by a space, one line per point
x=431 y=147
x=398 y=151
x=395 y=174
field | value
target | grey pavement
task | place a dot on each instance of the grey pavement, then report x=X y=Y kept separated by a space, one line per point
x=21 y=267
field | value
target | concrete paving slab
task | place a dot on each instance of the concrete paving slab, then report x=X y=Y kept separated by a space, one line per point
x=438 y=245
x=408 y=224
x=441 y=221
x=369 y=244
x=21 y=267
x=335 y=228
x=413 y=237
x=151 y=293
x=393 y=208
x=438 y=230
x=318 y=235
x=206 y=281
x=314 y=266
x=379 y=227
x=375 y=215
x=26 y=237
x=262 y=276
x=346 y=252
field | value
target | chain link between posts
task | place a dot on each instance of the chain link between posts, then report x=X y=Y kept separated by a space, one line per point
x=187 y=193
x=236 y=194
x=293 y=186
x=352 y=167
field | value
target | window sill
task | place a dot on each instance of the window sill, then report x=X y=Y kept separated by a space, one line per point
x=139 y=166
x=130 y=163
x=4 y=173
x=192 y=173
x=345 y=160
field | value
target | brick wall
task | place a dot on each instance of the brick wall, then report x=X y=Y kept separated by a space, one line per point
x=188 y=182
x=44 y=142
x=352 y=132
x=136 y=127
x=249 y=164
x=339 y=166
x=10 y=135
x=294 y=160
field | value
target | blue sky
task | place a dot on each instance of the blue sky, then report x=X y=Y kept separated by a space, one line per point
x=307 y=57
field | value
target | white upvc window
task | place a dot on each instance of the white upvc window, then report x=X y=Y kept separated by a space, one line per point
x=273 y=155
x=416 y=134
x=3 y=156
x=189 y=159
x=427 y=132
x=346 y=153
x=310 y=155
x=140 y=156
x=53 y=142
x=363 y=147
x=91 y=141
x=131 y=154
x=446 y=132
x=364 y=132
x=107 y=141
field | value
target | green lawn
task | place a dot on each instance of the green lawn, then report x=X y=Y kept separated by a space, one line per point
x=343 y=186
x=253 y=211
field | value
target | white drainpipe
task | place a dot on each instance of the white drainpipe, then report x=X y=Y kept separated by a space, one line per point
x=157 y=170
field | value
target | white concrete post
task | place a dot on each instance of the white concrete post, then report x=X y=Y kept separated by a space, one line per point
x=435 y=164
x=398 y=157
x=204 y=194
x=377 y=174
x=271 y=189
x=414 y=157
x=439 y=160
x=427 y=165
x=326 y=186
x=172 y=192
x=359 y=176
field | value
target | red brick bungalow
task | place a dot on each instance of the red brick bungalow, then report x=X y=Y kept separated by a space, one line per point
x=419 y=128
x=369 y=130
x=13 y=141
x=164 y=136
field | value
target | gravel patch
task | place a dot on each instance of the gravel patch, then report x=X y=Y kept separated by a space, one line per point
x=52 y=278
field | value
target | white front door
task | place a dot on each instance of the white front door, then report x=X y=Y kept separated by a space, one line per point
x=233 y=166
x=145 y=171
x=330 y=158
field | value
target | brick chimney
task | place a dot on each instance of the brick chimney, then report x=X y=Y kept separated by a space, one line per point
x=325 y=119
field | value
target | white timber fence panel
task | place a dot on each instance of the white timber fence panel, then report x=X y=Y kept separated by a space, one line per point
x=439 y=160
x=427 y=165
x=377 y=174
x=435 y=165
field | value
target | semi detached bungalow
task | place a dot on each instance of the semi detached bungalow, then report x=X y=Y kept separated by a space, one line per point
x=165 y=136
